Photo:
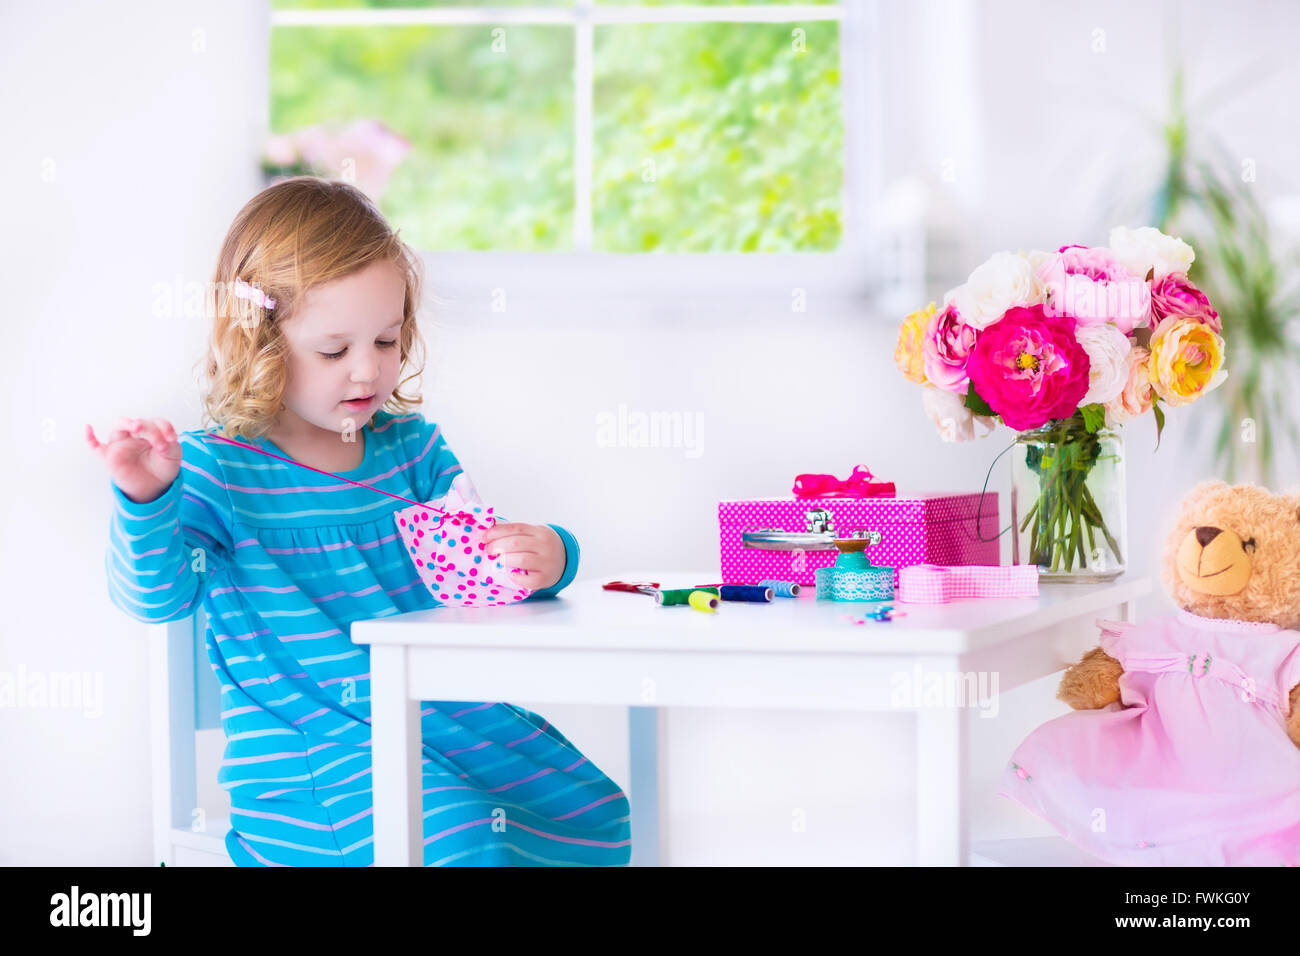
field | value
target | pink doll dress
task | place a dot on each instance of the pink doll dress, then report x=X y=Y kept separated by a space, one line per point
x=1192 y=766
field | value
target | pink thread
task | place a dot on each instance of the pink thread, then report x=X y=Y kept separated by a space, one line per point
x=424 y=515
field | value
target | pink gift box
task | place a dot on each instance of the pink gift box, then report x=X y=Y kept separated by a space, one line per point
x=789 y=538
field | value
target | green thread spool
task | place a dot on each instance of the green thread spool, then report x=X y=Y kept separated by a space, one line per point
x=672 y=596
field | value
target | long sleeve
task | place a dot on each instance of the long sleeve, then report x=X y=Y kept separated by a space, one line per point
x=437 y=467
x=159 y=551
x=571 y=555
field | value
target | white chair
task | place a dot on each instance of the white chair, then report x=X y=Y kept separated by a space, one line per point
x=185 y=698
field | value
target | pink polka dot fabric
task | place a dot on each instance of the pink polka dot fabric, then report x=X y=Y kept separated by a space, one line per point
x=928 y=528
x=444 y=539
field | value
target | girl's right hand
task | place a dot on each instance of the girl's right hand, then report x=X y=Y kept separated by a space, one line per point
x=142 y=455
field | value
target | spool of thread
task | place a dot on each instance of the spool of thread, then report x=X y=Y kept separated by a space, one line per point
x=824 y=579
x=673 y=596
x=781 y=588
x=746 y=592
x=703 y=601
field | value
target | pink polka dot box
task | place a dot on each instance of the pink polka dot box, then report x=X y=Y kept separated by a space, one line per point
x=788 y=539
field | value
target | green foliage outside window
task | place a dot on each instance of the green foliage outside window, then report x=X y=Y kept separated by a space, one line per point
x=716 y=136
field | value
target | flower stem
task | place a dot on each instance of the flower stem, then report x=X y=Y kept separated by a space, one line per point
x=1065 y=511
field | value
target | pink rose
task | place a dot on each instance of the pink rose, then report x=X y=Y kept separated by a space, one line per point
x=1092 y=287
x=1029 y=367
x=1174 y=295
x=946 y=347
x=1137 y=396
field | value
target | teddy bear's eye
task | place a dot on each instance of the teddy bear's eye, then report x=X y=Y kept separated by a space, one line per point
x=1249 y=543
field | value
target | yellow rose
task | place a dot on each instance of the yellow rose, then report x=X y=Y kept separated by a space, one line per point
x=911 y=334
x=1185 y=358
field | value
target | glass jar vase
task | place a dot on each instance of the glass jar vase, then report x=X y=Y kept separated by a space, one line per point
x=1068 y=510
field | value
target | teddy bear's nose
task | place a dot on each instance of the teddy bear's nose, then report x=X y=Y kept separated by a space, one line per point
x=1205 y=534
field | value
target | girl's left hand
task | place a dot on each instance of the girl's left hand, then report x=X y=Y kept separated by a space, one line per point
x=534 y=549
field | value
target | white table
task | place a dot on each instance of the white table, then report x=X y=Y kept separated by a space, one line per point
x=606 y=647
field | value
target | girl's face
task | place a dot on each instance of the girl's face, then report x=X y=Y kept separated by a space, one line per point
x=343 y=344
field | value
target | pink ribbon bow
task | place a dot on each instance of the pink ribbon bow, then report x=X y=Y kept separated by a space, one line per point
x=939 y=584
x=857 y=485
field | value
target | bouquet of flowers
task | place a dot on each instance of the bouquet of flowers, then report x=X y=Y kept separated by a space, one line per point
x=1066 y=344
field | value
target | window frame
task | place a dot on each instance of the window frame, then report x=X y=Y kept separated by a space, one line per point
x=846 y=272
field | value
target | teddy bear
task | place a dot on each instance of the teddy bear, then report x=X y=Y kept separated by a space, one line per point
x=1233 y=553
x=1182 y=747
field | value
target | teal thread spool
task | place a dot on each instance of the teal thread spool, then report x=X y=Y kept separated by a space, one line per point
x=781 y=588
x=854 y=577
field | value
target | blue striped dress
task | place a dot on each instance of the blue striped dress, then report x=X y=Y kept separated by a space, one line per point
x=284 y=559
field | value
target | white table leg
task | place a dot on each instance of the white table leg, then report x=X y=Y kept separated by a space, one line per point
x=941 y=770
x=395 y=749
x=646 y=738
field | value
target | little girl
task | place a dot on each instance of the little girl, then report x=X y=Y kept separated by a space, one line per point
x=312 y=336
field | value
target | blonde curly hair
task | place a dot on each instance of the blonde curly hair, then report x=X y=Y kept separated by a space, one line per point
x=292 y=236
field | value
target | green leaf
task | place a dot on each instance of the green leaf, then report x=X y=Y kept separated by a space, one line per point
x=1160 y=421
x=977 y=404
x=1094 y=416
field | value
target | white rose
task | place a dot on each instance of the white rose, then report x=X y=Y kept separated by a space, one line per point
x=1003 y=281
x=1037 y=257
x=1109 y=354
x=948 y=411
x=1147 y=248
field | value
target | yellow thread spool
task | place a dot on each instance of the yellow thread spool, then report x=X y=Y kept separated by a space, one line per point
x=703 y=601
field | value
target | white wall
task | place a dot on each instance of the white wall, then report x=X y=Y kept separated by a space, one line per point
x=129 y=147
x=149 y=174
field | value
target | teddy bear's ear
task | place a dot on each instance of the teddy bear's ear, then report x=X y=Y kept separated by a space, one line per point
x=1202 y=490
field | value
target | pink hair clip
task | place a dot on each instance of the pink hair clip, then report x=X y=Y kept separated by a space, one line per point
x=245 y=291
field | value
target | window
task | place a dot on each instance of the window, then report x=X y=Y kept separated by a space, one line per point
x=598 y=127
